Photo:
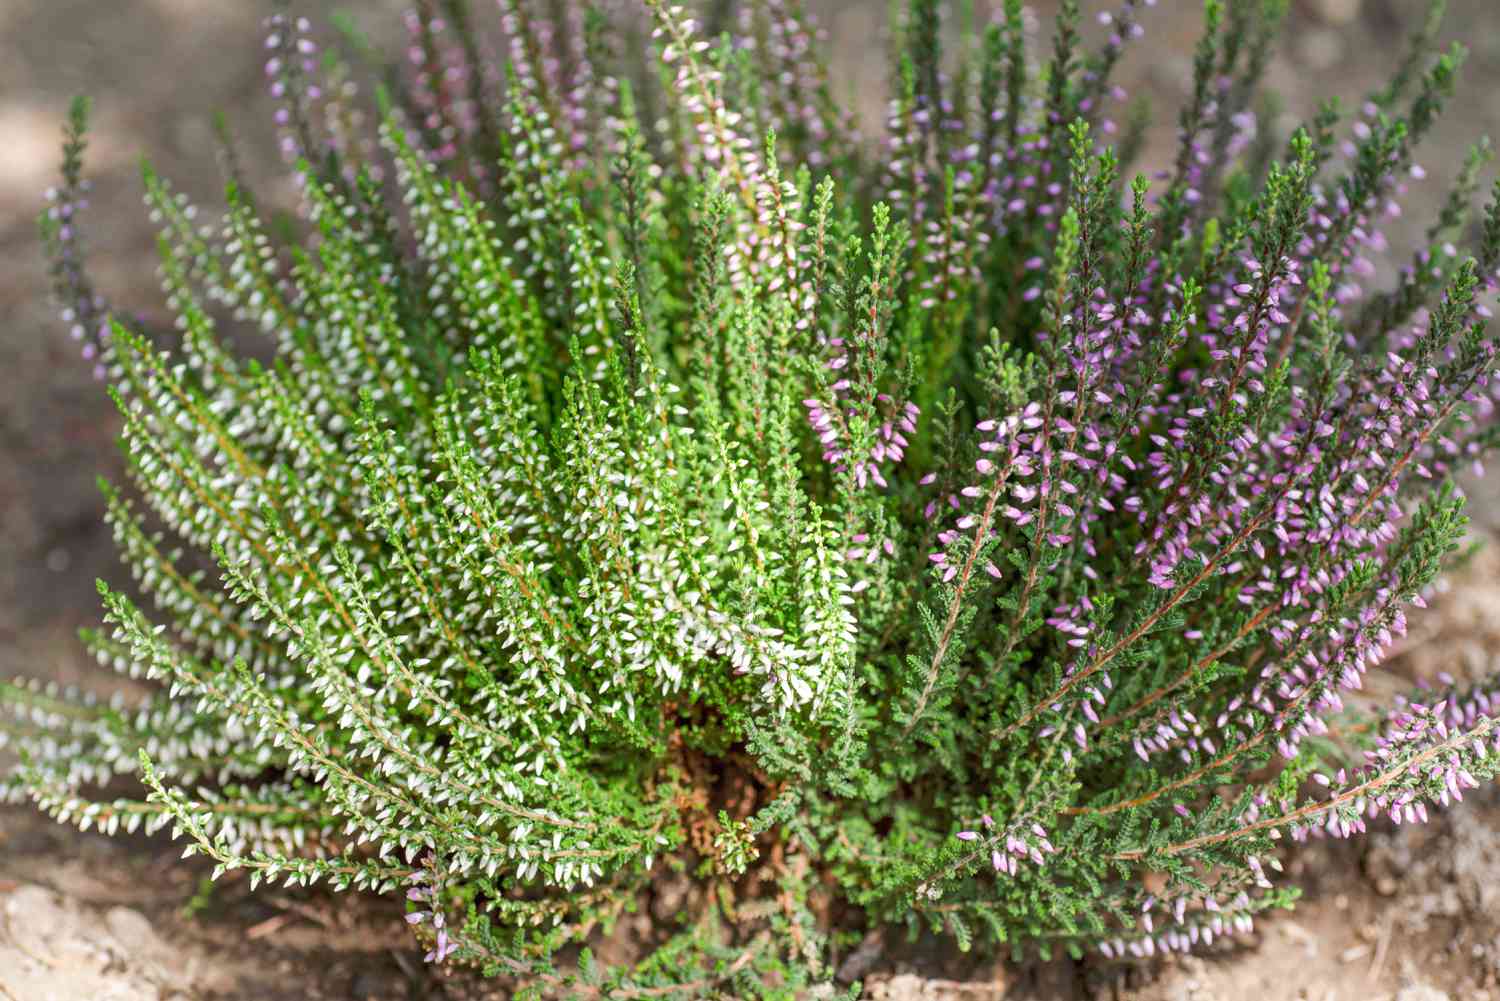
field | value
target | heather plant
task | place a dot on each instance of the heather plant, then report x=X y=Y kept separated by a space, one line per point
x=656 y=481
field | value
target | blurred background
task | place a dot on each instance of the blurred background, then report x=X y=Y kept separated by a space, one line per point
x=158 y=69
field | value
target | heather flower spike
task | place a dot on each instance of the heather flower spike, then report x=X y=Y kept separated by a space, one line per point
x=84 y=312
x=657 y=478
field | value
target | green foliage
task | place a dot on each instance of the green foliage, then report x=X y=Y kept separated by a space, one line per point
x=659 y=493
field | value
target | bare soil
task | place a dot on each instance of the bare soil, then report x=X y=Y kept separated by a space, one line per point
x=1406 y=914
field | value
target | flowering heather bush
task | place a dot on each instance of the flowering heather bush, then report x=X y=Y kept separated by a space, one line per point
x=658 y=483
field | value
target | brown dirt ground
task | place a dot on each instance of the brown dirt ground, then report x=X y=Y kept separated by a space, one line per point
x=1410 y=915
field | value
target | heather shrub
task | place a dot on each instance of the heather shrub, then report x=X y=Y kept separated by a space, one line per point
x=657 y=481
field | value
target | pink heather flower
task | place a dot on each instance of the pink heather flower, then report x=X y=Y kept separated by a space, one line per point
x=442 y=950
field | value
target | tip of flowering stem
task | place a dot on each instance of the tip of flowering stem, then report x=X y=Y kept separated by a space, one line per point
x=79 y=110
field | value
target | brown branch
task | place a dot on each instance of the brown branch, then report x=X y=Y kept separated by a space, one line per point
x=955 y=606
x=1109 y=722
x=1144 y=626
x=1291 y=817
